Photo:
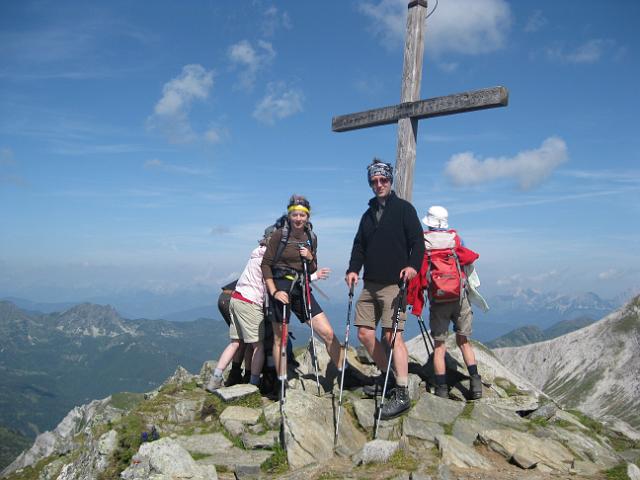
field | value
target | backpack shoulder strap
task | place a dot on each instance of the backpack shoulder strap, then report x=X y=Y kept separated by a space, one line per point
x=284 y=238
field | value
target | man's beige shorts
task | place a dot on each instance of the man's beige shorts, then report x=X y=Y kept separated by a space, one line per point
x=247 y=321
x=377 y=303
x=440 y=314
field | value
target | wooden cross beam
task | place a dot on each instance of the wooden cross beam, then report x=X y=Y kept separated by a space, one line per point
x=433 y=107
x=411 y=109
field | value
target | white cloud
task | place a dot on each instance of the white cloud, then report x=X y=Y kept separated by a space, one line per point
x=589 y=52
x=250 y=60
x=461 y=26
x=274 y=20
x=528 y=168
x=7 y=169
x=535 y=22
x=216 y=135
x=610 y=274
x=156 y=164
x=171 y=112
x=279 y=102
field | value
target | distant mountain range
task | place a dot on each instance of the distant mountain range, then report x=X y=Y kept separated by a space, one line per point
x=595 y=369
x=532 y=333
x=51 y=362
x=528 y=307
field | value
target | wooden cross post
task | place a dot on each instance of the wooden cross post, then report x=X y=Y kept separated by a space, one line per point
x=410 y=110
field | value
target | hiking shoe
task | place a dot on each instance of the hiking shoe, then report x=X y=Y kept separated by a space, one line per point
x=399 y=403
x=378 y=385
x=475 y=387
x=246 y=378
x=214 y=384
x=350 y=379
x=442 y=391
x=235 y=377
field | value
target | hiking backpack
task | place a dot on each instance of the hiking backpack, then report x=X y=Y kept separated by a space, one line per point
x=446 y=281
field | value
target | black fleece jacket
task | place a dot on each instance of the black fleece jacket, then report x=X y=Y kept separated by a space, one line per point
x=384 y=248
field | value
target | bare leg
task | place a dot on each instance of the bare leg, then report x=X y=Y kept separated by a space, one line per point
x=466 y=349
x=400 y=354
x=227 y=354
x=439 y=351
x=277 y=338
x=367 y=337
x=257 y=359
x=323 y=328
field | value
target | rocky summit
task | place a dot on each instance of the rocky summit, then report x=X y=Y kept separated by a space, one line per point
x=180 y=431
x=595 y=369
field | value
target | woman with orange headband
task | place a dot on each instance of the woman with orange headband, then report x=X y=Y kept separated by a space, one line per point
x=283 y=273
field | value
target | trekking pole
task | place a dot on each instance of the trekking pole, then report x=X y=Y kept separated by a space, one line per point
x=400 y=307
x=344 y=364
x=283 y=370
x=424 y=333
x=307 y=305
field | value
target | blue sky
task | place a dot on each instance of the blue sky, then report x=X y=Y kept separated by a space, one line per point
x=146 y=145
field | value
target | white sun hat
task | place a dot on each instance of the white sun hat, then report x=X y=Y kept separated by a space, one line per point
x=436 y=217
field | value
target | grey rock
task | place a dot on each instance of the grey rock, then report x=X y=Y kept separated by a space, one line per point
x=569 y=418
x=444 y=473
x=420 y=476
x=207 y=444
x=378 y=451
x=271 y=414
x=184 y=411
x=166 y=459
x=486 y=417
x=583 y=467
x=415 y=387
x=363 y=356
x=549 y=453
x=207 y=370
x=235 y=457
x=431 y=408
x=60 y=441
x=309 y=429
x=236 y=392
x=586 y=447
x=247 y=471
x=417 y=428
x=234 y=427
x=633 y=472
x=522 y=461
x=268 y=440
x=257 y=429
x=180 y=377
x=365 y=410
x=457 y=454
x=546 y=412
x=244 y=415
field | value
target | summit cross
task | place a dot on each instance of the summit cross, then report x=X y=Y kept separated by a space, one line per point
x=411 y=109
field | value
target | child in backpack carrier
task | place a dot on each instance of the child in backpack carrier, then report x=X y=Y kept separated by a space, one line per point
x=444 y=278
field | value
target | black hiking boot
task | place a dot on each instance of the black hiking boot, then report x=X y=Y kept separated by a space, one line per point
x=378 y=385
x=235 y=377
x=351 y=380
x=475 y=387
x=399 y=403
x=442 y=391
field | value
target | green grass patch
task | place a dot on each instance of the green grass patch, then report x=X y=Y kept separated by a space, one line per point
x=277 y=463
x=619 y=472
x=467 y=410
x=509 y=388
x=539 y=422
x=448 y=428
x=129 y=431
x=126 y=400
x=402 y=460
x=214 y=405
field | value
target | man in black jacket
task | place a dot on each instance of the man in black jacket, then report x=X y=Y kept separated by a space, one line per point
x=390 y=246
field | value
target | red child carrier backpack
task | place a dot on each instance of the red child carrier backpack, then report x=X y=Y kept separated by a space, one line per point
x=446 y=281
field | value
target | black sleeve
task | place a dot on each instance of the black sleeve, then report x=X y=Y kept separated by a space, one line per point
x=414 y=236
x=357 y=251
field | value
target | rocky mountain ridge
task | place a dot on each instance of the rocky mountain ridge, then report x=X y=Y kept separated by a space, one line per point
x=51 y=362
x=533 y=334
x=514 y=431
x=595 y=369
